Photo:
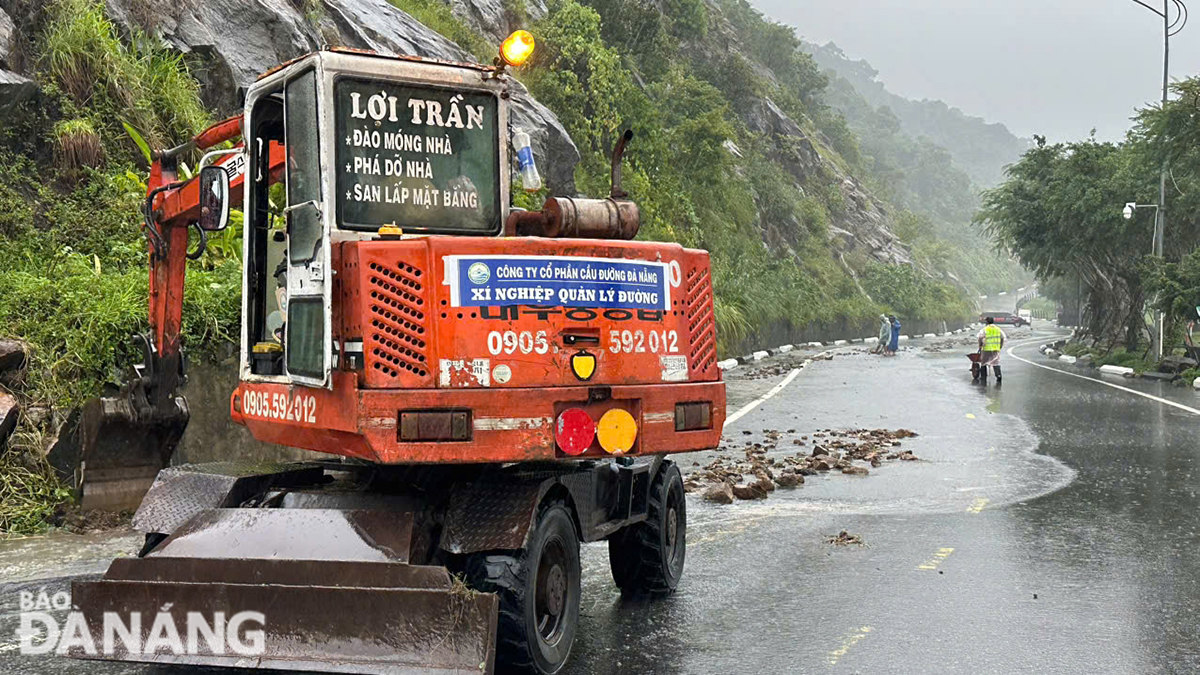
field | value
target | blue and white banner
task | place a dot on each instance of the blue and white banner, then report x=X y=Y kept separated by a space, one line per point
x=562 y=281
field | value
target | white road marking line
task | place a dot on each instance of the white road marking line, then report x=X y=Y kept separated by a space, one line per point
x=762 y=399
x=1135 y=392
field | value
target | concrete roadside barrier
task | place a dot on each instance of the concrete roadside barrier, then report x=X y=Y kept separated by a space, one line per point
x=1117 y=370
x=815 y=344
x=760 y=355
x=903 y=338
x=871 y=340
x=930 y=335
x=839 y=343
x=1065 y=358
x=727 y=364
x=1196 y=383
x=783 y=349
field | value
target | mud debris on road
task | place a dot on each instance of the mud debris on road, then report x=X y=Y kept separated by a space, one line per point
x=756 y=473
x=844 y=538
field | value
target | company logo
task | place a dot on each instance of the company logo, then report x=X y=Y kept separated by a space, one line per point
x=43 y=630
x=479 y=273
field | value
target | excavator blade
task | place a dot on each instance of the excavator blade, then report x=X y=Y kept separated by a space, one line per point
x=291 y=589
x=119 y=455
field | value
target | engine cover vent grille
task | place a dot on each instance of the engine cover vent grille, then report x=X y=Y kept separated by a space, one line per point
x=702 y=329
x=397 y=329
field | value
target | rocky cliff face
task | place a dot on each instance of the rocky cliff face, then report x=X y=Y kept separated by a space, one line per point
x=232 y=42
x=865 y=222
x=14 y=87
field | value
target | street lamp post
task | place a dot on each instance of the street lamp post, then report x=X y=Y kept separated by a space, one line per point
x=1171 y=28
x=1156 y=335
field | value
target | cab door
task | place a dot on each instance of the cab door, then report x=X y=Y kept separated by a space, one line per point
x=309 y=341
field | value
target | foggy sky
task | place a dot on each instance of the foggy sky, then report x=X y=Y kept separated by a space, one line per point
x=1051 y=67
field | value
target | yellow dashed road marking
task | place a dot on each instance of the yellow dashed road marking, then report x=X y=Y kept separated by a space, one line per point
x=848 y=642
x=978 y=505
x=717 y=535
x=970 y=416
x=937 y=559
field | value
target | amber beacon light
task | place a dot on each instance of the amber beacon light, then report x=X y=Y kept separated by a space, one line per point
x=517 y=48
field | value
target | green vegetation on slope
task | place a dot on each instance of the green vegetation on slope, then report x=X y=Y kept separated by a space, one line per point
x=73 y=276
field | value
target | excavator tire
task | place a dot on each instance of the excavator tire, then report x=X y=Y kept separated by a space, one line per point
x=539 y=591
x=647 y=557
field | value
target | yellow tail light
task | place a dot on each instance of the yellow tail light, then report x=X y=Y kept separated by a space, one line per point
x=616 y=431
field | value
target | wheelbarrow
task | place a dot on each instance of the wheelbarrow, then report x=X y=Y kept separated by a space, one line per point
x=974 y=357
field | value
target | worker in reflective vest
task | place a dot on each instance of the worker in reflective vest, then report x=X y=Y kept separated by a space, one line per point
x=991 y=340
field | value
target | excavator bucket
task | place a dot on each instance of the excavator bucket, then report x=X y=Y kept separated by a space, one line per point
x=119 y=455
x=113 y=450
x=322 y=590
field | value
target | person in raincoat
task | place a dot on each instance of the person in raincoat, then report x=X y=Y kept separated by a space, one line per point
x=894 y=341
x=885 y=334
x=991 y=340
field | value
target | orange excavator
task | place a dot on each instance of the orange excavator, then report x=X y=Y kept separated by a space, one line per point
x=492 y=387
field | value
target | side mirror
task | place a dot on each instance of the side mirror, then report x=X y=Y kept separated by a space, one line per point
x=214 y=198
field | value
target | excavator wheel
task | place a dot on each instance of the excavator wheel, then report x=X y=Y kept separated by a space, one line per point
x=647 y=557
x=539 y=590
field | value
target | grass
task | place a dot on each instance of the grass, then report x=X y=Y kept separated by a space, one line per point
x=140 y=82
x=29 y=490
x=77 y=146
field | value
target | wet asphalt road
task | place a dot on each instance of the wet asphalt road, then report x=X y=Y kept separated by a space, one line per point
x=1050 y=528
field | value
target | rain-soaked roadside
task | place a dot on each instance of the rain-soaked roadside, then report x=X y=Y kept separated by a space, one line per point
x=1046 y=528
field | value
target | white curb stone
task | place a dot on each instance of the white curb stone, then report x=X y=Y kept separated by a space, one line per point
x=1067 y=358
x=815 y=344
x=759 y=356
x=1196 y=383
x=727 y=364
x=1117 y=370
x=903 y=338
x=871 y=340
x=929 y=335
x=839 y=343
x=783 y=349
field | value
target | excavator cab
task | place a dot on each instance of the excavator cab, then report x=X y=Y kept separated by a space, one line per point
x=351 y=159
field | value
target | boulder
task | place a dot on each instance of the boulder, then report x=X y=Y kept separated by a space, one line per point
x=855 y=471
x=788 y=480
x=14 y=355
x=9 y=412
x=720 y=493
x=15 y=88
x=764 y=483
x=235 y=41
x=1175 y=364
x=749 y=492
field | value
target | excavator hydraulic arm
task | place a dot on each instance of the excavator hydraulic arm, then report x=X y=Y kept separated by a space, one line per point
x=122 y=441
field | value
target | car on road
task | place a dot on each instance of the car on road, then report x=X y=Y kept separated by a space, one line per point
x=1004 y=319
